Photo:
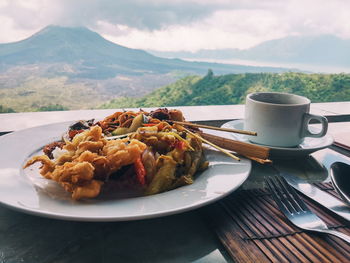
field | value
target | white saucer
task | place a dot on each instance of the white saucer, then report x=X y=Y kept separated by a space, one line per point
x=308 y=146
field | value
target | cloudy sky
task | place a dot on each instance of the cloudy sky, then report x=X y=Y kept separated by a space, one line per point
x=171 y=25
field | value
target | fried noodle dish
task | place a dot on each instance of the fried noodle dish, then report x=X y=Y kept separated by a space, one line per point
x=138 y=150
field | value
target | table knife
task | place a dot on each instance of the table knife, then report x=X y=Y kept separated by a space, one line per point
x=321 y=197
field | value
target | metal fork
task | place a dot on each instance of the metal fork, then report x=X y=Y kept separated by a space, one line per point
x=296 y=210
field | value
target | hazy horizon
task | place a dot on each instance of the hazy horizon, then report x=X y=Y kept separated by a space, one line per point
x=311 y=68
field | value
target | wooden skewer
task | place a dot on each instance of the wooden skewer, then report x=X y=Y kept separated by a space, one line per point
x=246 y=149
x=213 y=145
x=214 y=128
x=262 y=161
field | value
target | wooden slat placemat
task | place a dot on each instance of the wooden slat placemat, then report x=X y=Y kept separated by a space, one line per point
x=252 y=229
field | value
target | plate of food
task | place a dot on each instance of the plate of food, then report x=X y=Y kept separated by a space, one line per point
x=128 y=166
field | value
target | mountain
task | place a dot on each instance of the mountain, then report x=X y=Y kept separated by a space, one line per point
x=59 y=44
x=63 y=68
x=92 y=56
x=327 y=50
x=233 y=88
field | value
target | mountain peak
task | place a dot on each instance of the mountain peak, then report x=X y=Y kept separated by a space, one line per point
x=67 y=33
x=57 y=28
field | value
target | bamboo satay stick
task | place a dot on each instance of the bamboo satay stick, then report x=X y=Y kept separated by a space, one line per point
x=214 y=128
x=262 y=161
x=242 y=148
x=213 y=145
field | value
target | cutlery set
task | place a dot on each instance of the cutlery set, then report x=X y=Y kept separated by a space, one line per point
x=294 y=208
x=282 y=188
x=314 y=193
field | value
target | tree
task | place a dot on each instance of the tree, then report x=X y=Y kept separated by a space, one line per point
x=6 y=110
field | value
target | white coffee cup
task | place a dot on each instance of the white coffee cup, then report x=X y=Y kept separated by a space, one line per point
x=280 y=119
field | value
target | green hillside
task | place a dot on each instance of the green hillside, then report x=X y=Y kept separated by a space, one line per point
x=232 y=89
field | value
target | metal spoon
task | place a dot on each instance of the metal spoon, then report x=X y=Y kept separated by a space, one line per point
x=340 y=176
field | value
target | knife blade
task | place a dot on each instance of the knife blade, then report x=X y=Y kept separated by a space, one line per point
x=326 y=200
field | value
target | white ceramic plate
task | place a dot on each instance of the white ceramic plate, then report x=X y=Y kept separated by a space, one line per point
x=30 y=193
x=308 y=146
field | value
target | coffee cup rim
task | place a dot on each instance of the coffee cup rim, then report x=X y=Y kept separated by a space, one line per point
x=306 y=100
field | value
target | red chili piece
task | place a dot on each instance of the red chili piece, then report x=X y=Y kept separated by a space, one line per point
x=140 y=172
x=180 y=145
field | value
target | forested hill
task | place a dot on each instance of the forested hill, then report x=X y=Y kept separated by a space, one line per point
x=232 y=89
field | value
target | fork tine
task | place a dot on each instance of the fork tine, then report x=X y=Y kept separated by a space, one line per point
x=288 y=193
x=292 y=191
x=278 y=196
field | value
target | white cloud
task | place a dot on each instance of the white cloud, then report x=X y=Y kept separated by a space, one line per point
x=241 y=27
x=179 y=24
x=224 y=29
x=8 y=31
x=320 y=17
x=21 y=18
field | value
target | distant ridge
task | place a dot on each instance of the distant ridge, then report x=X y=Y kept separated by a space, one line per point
x=327 y=50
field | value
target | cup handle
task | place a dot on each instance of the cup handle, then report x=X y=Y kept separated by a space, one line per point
x=321 y=119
